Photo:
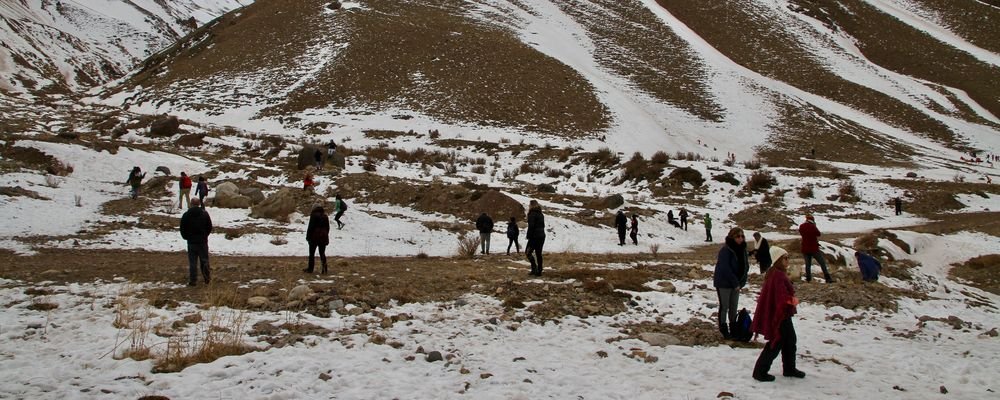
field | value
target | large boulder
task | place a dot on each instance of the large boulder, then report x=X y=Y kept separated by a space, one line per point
x=227 y=195
x=307 y=156
x=498 y=206
x=165 y=125
x=278 y=206
x=256 y=195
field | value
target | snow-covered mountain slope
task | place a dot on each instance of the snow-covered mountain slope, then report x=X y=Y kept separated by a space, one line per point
x=69 y=45
x=866 y=81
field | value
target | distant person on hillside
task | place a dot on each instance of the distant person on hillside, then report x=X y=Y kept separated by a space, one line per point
x=899 y=205
x=731 y=270
x=671 y=220
x=512 y=233
x=331 y=148
x=708 y=228
x=633 y=231
x=317 y=236
x=339 y=206
x=536 y=237
x=869 y=266
x=185 y=191
x=196 y=225
x=135 y=181
x=202 y=190
x=621 y=223
x=684 y=218
x=810 y=248
x=773 y=320
x=762 y=252
x=308 y=183
x=484 y=224
x=318 y=157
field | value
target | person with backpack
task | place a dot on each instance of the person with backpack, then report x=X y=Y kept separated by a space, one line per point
x=331 y=148
x=202 y=190
x=730 y=276
x=317 y=236
x=762 y=252
x=196 y=225
x=810 y=248
x=484 y=224
x=621 y=223
x=684 y=218
x=185 y=189
x=536 y=237
x=633 y=231
x=339 y=206
x=135 y=181
x=869 y=266
x=512 y=234
x=708 y=228
x=773 y=320
x=318 y=157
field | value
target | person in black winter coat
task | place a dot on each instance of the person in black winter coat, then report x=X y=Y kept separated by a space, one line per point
x=196 y=224
x=318 y=236
x=684 y=219
x=762 y=253
x=730 y=276
x=485 y=226
x=633 y=231
x=512 y=233
x=621 y=222
x=536 y=237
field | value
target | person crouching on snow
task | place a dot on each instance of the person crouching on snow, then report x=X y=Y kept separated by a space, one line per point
x=773 y=319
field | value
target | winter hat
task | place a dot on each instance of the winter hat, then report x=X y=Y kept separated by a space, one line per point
x=777 y=252
x=809 y=217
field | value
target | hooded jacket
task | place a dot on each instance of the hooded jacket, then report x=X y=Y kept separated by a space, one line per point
x=536 y=224
x=732 y=267
x=773 y=306
x=318 y=231
x=484 y=224
x=810 y=237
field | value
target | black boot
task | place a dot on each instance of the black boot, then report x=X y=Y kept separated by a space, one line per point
x=724 y=330
x=324 y=269
x=794 y=374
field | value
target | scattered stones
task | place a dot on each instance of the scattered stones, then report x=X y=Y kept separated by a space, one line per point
x=659 y=339
x=667 y=287
x=724 y=395
x=163 y=169
x=992 y=332
x=434 y=356
x=192 y=318
x=324 y=376
x=485 y=375
x=299 y=292
x=278 y=206
x=165 y=125
x=464 y=371
x=258 y=301
x=943 y=389
x=602 y=354
x=336 y=304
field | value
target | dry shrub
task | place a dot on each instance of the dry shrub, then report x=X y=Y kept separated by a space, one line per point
x=683 y=175
x=806 y=192
x=660 y=157
x=981 y=272
x=727 y=177
x=752 y=164
x=478 y=169
x=532 y=168
x=468 y=245
x=222 y=336
x=847 y=192
x=760 y=181
x=604 y=157
x=638 y=169
x=654 y=249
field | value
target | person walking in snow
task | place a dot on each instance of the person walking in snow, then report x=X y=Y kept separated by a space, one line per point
x=633 y=231
x=339 y=206
x=621 y=223
x=318 y=157
x=512 y=233
x=536 y=237
x=869 y=266
x=196 y=225
x=684 y=219
x=810 y=248
x=899 y=205
x=773 y=320
x=708 y=228
x=307 y=182
x=484 y=224
x=317 y=236
x=185 y=191
x=731 y=268
x=202 y=190
x=135 y=181
x=331 y=148
x=762 y=252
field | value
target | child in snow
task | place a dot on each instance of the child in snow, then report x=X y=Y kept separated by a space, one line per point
x=773 y=319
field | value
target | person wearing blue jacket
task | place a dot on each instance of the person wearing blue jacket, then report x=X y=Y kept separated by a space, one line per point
x=730 y=276
x=870 y=267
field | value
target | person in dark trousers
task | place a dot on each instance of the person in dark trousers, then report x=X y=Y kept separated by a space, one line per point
x=810 y=248
x=684 y=218
x=196 y=224
x=135 y=181
x=730 y=276
x=536 y=237
x=512 y=233
x=762 y=253
x=331 y=148
x=633 y=230
x=899 y=205
x=339 y=206
x=708 y=228
x=318 y=236
x=318 y=157
x=869 y=266
x=773 y=320
x=621 y=223
x=201 y=191
x=485 y=226
x=185 y=191
x=671 y=220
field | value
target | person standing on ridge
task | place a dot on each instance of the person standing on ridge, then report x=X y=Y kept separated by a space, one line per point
x=485 y=226
x=899 y=205
x=196 y=225
x=773 y=320
x=135 y=181
x=684 y=218
x=621 y=223
x=317 y=236
x=810 y=248
x=339 y=206
x=202 y=190
x=708 y=228
x=512 y=234
x=185 y=191
x=633 y=231
x=536 y=237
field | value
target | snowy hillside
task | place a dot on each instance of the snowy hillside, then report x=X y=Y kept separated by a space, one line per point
x=73 y=45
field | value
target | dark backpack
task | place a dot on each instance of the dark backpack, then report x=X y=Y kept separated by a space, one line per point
x=741 y=331
x=343 y=205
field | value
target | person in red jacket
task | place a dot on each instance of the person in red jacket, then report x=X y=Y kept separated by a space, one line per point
x=810 y=248
x=185 y=196
x=773 y=319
